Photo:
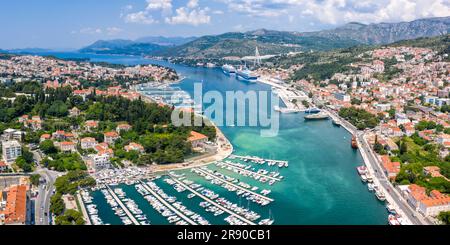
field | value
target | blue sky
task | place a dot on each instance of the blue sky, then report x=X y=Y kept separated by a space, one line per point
x=64 y=24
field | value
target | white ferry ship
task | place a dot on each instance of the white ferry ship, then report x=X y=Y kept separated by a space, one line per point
x=228 y=69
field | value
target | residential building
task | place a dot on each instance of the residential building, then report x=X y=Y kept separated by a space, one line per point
x=124 y=127
x=74 y=112
x=88 y=143
x=134 y=147
x=111 y=137
x=11 y=150
x=90 y=125
x=97 y=162
x=67 y=146
x=390 y=168
x=17 y=206
x=428 y=205
x=3 y=166
x=342 y=97
x=433 y=171
x=197 y=139
x=45 y=137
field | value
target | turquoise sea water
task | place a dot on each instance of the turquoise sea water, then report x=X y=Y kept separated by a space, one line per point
x=321 y=185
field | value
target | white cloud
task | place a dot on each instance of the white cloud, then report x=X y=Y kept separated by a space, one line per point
x=90 y=31
x=218 y=12
x=140 y=17
x=342 y=11
x=112 y=31
x=159 y=4
x=192 y=4
x=193 y=17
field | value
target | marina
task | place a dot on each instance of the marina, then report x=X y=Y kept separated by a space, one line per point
x=151 y=189
x=132 y=219
x=211 y=202
x=241 y=188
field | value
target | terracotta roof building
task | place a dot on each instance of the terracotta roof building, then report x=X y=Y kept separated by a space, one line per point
x=15 y=211
x=429 y=205
x=197 y=139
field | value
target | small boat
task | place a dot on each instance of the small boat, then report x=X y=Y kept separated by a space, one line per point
x=393 y=220
x=371 y=187
x=354 y=143
x=364 y=178
x=380 y=195
x=391 y=208
x=362 y=170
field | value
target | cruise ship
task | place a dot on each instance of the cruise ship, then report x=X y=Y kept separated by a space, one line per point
x=247 y=75
x=228 y=69
x=318 y=116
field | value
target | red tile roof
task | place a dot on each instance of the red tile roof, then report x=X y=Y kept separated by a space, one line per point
x=195 y=136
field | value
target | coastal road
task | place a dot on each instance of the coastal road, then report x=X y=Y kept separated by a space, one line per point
x=46 y=189
x=400 y=202
x=366 y=150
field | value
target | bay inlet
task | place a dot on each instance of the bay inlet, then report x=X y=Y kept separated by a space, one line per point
x=320 y=186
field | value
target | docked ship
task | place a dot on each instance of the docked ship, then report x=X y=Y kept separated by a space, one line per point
x=228 y=69
x=312 y=110
x=318 y=116
x=354 y=143
x=336 y=122
x=246 y=75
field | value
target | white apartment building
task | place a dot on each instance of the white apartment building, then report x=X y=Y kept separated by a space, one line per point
x=99 y=161
x=11 y=150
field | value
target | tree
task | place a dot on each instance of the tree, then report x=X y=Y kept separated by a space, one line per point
x=35 y=179
x=48 y=147
x=23 y=164
x=403 y=148
x=444 y=217
x=58 y=109
x=70 y=217
x=57 y=204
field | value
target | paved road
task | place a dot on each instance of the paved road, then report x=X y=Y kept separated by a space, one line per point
x=365 y=148
x=46 y=189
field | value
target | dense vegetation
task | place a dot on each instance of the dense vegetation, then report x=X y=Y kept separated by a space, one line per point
x=360 y=118
x=151 y=124
x=444 y=217
x=414 y=154
x=163 y=143
x=68 y=184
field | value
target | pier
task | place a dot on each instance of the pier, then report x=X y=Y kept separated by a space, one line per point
x=250 y=172
x=168 y=205
x=212 y=202
x=83 y=209
x=258 y=159
x=132 y=218
x=236 y=186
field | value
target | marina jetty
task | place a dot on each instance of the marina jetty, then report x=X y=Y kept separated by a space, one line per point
x=259 y=160
x=289 y=96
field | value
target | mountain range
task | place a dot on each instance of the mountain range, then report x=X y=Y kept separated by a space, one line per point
x=385 y=33
x=274 y=42
x=144 y=45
